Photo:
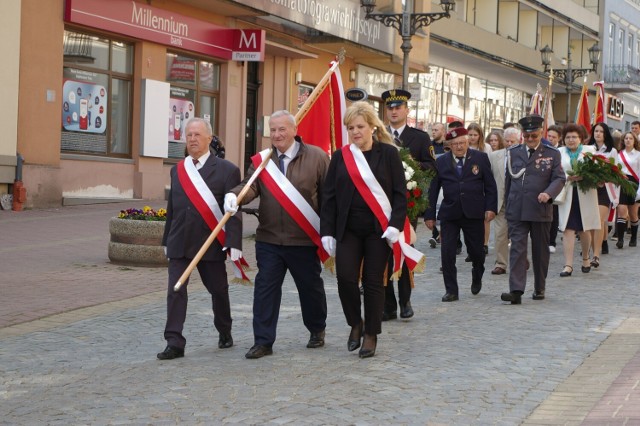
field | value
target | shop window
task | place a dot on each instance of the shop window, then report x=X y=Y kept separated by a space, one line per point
x=194 y=92
x=96 y=95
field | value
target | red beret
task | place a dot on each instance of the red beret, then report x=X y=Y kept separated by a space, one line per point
x=456 y=132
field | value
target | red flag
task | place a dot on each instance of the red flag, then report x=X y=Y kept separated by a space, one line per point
x=321 y=122
x=598 y=113
x=583 y=115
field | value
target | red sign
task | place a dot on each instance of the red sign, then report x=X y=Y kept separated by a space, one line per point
x=160 y=26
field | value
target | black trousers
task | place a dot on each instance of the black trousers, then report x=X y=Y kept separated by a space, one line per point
x=214 y=278
x=404 y=284
x=473 y=230
x=368 y=252
x=303 y=264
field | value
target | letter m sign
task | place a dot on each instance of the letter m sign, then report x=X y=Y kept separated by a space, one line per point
x=248 y=45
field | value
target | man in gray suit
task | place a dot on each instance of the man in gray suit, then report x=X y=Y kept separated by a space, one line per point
x=501 y=239
x=534 y=177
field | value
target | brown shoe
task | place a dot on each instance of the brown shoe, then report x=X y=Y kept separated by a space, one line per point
x=498 y=271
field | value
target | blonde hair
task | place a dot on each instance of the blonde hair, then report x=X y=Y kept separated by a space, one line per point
x=365 y=110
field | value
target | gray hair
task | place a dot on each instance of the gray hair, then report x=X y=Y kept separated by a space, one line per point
x=284 y=113
x=512 y=131
x=206 y=123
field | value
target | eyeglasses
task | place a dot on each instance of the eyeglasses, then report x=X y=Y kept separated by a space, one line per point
x=530 y=135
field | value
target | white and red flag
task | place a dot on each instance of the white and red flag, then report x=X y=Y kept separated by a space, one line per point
x=583 y=115
x=599 y=115
x=320 y=118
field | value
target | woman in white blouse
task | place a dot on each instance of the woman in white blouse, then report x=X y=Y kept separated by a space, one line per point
x=629 y=157
x=475 y=136
x=579 y=212
x=603 y=141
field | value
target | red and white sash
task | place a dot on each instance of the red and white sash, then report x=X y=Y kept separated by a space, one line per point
x=292 y=202
x=369 y=188
x=633 y=172
x=205 y=202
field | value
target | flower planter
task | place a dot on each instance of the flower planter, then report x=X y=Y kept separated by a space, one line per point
x=136 y=242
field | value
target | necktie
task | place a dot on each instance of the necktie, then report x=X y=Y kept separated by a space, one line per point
x=531 y=151
x=195 y=162
x=396 y=138
x=396 y=134
x=459 y=165
x=281 y=158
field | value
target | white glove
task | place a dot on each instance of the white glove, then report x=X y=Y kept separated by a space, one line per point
x=230 y=203
x=391 y=234
x=165 y=250
x=329 y=245
x=235 y=254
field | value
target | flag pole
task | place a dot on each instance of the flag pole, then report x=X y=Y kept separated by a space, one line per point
x=305 y=107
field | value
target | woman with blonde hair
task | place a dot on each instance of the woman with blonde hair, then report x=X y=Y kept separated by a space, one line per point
x=351 y=225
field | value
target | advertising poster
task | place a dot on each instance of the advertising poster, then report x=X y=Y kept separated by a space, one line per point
x=181 y=109
x=84 y=101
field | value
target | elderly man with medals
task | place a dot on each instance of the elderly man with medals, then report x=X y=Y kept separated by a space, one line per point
x=534 y=178
x=198 y=185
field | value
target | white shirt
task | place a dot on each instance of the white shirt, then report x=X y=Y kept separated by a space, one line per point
x=633 y=159
x=203 y=159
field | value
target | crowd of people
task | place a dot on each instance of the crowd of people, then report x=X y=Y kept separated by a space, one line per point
x=513 y=184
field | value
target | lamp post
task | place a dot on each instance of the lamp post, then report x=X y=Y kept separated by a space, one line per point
x=407 y=23
x=568 y=75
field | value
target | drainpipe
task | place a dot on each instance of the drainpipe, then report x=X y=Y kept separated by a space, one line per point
x=19 y=191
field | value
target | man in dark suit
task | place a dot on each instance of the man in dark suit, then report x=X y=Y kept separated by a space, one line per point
x=421 y=149
x=186 y=230
x=534 y=177
x=470 y=198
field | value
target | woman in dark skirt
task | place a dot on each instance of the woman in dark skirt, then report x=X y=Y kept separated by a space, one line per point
x=602 y=139
x=629 y=157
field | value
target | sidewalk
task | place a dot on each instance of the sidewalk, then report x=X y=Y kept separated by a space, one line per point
x=90 y=326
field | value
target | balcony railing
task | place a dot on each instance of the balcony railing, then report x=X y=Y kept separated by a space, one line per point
x=621 y=74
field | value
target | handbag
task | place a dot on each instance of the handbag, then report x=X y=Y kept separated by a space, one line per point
x=562 y=195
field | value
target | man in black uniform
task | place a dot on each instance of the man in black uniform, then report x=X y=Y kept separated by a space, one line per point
x=421 y=149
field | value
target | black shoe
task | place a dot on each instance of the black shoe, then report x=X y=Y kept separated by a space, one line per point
x=538 y=295
x=258 y=351
x=448 y=297
x=316 y=340
x=406 y=311
x=386 y=316
x=605 y=248
x=620 y=243
x=368 y=353
x=468 y=258
x=586 y=269
x=476 y=286
x=486 y=249
x=514 y=297
x=171 y=352
x=225 y=341
x=595 y=262
x=566 y=271
x=355 y=336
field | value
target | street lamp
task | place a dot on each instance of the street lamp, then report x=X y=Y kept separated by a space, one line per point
x=568 y=75
x=407 y=23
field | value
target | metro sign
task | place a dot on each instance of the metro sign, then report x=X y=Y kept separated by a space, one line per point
x=139 y=20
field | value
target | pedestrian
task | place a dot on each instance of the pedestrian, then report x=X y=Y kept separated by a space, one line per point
x=579 y=211
x=628 y=208
x=534 y=177
x=602 y=140
x=470 y=198
x=422 y=150
x=198 y=185
x=290 y=190
x=554 y=135
x=363 y=210
x=495 y=140
x=500 y=230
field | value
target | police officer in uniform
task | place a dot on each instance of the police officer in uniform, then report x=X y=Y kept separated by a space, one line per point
x=419 y=145
x=470 y=198
x=534 y=177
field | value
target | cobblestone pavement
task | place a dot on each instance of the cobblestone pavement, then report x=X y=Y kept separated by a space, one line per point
x=78 y=338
